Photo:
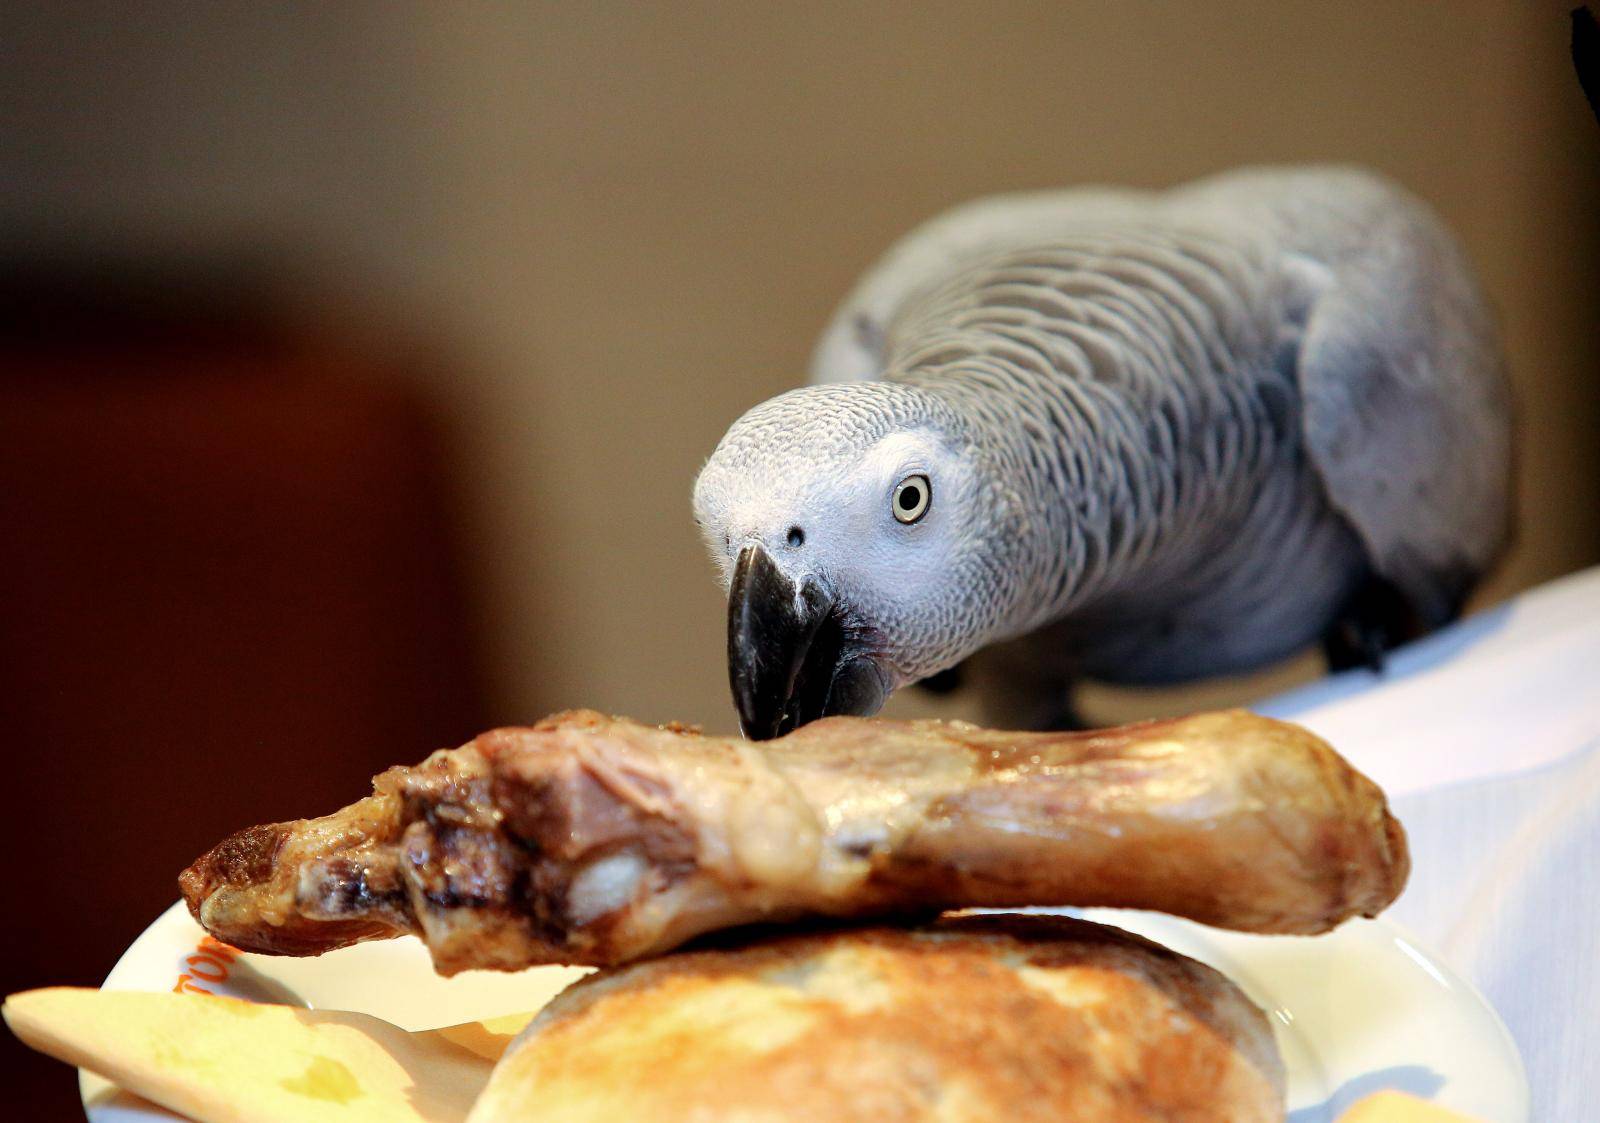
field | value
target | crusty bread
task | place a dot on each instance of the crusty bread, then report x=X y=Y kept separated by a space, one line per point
x=976 y=1018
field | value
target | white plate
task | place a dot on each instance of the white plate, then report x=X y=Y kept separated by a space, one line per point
x=1357 y=1011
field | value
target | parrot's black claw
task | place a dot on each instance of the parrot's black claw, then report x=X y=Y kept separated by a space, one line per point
x=944 y=682
x=1375 y=620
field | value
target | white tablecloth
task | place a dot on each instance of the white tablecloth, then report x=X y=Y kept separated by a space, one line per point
x=1487 y=738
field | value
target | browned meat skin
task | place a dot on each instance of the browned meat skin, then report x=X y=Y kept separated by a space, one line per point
x=595 y=840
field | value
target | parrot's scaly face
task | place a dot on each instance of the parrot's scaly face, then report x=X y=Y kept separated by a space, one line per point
x=844 y=520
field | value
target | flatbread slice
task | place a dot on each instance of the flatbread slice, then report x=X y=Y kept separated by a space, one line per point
x=223 y=1060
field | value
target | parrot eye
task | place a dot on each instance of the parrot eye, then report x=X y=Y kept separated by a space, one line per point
x=911 y=498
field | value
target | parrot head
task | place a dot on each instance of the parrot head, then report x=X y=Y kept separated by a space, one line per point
x=850 y=525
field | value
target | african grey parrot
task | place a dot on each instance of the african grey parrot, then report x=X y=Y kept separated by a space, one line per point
x=1136 y=436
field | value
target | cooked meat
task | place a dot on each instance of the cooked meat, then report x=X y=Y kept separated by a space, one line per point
x=1020 y=1018
x=593 y=840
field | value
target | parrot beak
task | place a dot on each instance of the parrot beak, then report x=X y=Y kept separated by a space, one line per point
x=791 y=659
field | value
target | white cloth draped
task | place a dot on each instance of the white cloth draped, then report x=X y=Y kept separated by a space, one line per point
x=1487 y=738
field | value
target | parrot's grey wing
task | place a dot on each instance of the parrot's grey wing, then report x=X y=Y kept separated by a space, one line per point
x=1405 y=404
x=856 y=344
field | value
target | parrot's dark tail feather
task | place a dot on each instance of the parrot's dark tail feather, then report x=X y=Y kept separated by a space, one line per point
x=1586 y=55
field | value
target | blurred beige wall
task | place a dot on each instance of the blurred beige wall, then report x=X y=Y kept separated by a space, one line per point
x=623 y=225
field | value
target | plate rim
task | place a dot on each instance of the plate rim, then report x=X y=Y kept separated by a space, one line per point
x=1425 y=957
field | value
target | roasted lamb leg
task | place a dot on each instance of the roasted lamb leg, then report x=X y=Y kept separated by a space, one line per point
x=593 y=840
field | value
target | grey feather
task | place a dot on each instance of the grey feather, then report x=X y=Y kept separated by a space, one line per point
x=1404 y=395
x=1198 y=419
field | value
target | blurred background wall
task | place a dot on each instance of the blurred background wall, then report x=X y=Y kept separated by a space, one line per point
x=516 y=268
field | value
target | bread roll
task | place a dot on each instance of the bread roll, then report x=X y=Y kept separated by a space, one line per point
x=975 y=1018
